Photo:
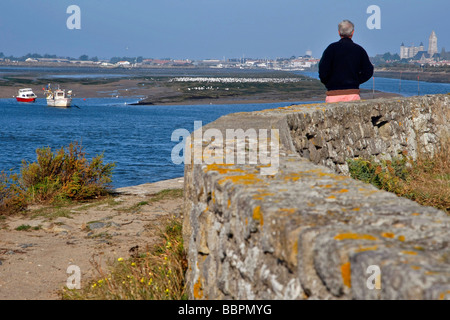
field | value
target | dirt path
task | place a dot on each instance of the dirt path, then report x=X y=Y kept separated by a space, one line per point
x=33 y=263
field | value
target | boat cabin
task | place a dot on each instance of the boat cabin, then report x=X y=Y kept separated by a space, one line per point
x=28 y=93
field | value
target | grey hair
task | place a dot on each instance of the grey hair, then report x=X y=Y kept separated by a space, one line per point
x=346 y=28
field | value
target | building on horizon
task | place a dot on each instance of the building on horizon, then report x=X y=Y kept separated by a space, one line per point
x=413 y=51
x=432 y=44
x=409 y=52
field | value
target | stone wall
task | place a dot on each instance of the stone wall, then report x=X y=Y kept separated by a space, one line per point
x=329 y=135
x=309 y=231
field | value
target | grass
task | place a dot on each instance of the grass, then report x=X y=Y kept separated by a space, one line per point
x=52 y=212
x=134 y=208
x=108 y=200
x=157 y=274
x=165 y=194
x=67 y=209
x=425 y=180
x=27 y=227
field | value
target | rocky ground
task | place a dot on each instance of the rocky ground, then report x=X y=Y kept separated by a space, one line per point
x=34 y=262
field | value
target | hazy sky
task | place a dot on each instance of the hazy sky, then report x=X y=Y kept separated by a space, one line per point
x=199 y=29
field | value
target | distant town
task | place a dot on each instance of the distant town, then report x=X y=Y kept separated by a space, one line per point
x=417 y=55
x=292 y=63
x=408 y=56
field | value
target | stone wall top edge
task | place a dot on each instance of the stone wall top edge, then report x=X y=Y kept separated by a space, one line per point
x=272 y=117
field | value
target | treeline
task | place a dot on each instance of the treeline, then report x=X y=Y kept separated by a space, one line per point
x=381 y=59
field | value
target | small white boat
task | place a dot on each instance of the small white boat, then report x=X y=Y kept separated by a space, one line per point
x=58 y=97
x=26 y=95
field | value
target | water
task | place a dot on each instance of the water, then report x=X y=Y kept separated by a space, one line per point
x=136 y=138
x=85 y=76
x=406 y=88
x=71 y=72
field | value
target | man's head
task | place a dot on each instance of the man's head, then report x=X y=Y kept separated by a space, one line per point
x=346 y=29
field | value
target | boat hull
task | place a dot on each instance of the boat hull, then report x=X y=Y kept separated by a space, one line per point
x=27 y=100
x=62 y=103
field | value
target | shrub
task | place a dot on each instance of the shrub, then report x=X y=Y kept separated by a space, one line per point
x=389 y=175
x=12 y=196
x=65 y=174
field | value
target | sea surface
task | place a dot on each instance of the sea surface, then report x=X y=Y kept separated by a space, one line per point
x=138 y=139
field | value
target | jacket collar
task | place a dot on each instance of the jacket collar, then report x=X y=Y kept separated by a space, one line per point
x=345 y=40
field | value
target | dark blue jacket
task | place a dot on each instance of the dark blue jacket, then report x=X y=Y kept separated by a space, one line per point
x=344 y=65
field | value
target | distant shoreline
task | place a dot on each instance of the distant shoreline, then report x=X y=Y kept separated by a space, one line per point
x=435 y=77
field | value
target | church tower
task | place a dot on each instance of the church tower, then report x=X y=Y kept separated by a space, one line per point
x=432 y=44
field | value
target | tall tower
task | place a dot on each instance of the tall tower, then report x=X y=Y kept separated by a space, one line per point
x=432 y=44
x=403 y=54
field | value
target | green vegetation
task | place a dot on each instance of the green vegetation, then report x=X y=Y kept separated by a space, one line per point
x=425 y=180
x=165 y=194
x=26 y=227
x=53 y=212
x=108 y=201
x=134 y=208
x=157 y=274
x=56 y=177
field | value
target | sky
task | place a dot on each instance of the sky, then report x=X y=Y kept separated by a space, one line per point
x=215 y=29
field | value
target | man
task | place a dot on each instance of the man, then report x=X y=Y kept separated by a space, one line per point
x=344 y=66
